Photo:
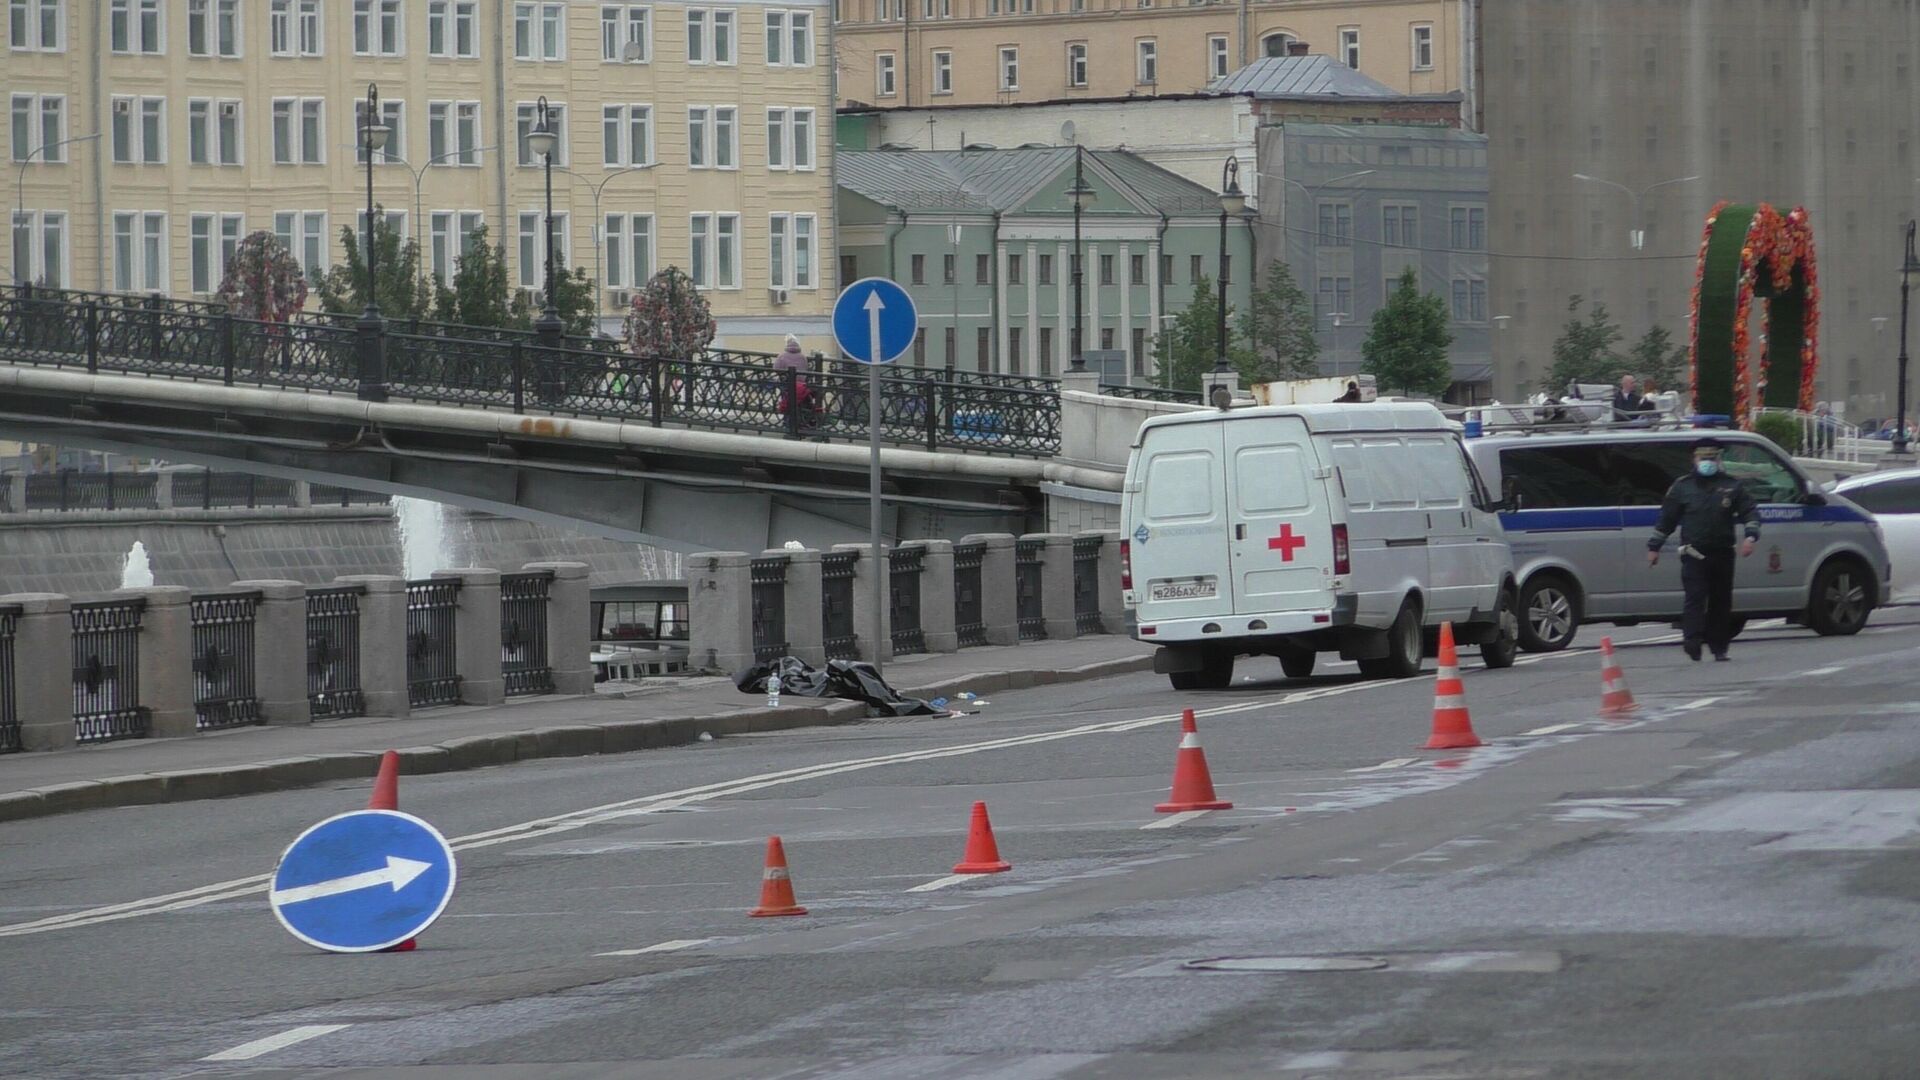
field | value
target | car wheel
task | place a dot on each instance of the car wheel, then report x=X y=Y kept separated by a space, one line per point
x=1549 y=613
x=1403 y=648
x=1499 y=651
x=1216 y=673
x=1840 y=600
x=1297 y=665
x=1185 y=680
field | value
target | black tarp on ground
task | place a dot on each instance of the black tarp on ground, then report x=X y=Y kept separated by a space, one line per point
x=848 y=679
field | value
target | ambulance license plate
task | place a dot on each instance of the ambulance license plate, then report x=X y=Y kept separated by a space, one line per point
x=1197 y=589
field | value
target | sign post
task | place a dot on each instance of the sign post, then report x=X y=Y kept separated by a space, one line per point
x=874 y=322
x=363 y=881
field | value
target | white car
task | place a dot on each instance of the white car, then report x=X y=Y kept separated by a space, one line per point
x=1893 y=498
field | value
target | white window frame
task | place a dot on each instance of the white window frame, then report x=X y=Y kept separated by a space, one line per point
x=525 y=115
x=383 y=25
x=531 y=21
x=1077 y=65
x=132 y=266
x=622 y=119
x=135 y=150
x=776 y=41
x=533 y=276
x=212 y=15
x=1008 y=69
x=886 y=75
x=29 y=18
x=448 y=17
x=451 y=237
x=699 y=49
x=943 y=71
x=295 y=116
x=779 y=137
x=36 y=145
x=1218 y=64
x=618 y=24
x=447 y=116
x=788 y=148
x=130 y=19
x=1350 y=46
x=625 y=236
x=784 y=243
x=800 y=42
x=294 y=28
x=393 y=113
x=703 y=232
x=210 y=242
x=1146 y=61
x=36 y=224
x=1420 y=39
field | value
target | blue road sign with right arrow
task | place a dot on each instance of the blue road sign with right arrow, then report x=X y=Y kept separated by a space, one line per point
x=874 y=321
x=363 y=881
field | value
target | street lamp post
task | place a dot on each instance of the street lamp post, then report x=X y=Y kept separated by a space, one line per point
x=1233 y=203
x=543 y=140
x=1909 y=266
x=1081 y=194
x=371 y=328
x=20 y=186
x=1636 y=236
x=599 y=224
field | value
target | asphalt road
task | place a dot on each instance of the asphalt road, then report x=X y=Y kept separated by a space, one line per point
x=1723 y=885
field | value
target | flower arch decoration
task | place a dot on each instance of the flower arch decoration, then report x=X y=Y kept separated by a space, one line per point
x=1748 y=252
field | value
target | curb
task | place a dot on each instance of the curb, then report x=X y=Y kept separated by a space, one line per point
x=505 y=748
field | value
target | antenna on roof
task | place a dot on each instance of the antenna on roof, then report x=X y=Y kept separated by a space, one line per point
x=1067 y=132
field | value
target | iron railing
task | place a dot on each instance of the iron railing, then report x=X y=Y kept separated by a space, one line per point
x=433 y=675
x=333 y=653
x=223 y=650
x=767 y=577
x=969 y=615
x=1086 y=585
x=334 y=495
x=903 y=600
x=9 y=711
x=71 y=489
x=836 y=605
x=106 y=670
x=1026 y=589
x=1152 y=393
x=524 y=662
x=475 y=366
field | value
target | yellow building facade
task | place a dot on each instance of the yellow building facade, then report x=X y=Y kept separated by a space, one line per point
x=986 y=52
x=694 y=135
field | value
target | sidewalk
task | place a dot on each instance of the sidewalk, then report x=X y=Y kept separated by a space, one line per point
x=255 y=759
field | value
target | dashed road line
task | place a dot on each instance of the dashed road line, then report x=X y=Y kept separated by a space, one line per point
x=1831 y=670
x=261 y=1047
x=941 y=883
x=1698 y=703
x=665 y=946
x=1396 y=763
x=1553 y=729
x=1171 y=820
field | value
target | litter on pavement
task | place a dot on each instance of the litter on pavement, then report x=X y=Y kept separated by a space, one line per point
x=848 y=679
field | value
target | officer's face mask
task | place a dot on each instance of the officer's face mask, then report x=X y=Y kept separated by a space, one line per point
x=1707 y=467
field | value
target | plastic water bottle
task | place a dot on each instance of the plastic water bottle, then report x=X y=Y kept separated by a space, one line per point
x=773 y=690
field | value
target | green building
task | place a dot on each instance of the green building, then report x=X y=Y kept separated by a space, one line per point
x=983 y=239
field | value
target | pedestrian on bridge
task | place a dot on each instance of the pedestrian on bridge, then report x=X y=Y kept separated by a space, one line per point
x=1706 y=505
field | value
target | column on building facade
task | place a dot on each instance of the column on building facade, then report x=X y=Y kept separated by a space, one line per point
x=1123 y=337
x=1000 y=306
x=1030 y=348
x=1154 y=328
x=1063 y=307
x=1090 y=280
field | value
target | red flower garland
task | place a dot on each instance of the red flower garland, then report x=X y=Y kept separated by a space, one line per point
x=1781 y=244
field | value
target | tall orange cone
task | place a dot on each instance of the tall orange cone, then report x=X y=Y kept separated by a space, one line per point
x=1452 y=725
x=983 y=855
x=776 y=888
x=386 y=784
x=1192 y=782
x=386 y=796
x=1615 y=698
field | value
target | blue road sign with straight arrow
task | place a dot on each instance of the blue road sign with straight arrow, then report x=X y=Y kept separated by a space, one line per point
x=874 y=321
x=363 y=881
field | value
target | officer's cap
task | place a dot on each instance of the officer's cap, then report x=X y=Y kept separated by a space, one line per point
x=1708 y=447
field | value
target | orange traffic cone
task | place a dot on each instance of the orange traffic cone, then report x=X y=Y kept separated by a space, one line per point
x=386 y=784
x=776 y=888
x=386 y=796
x=1615 y=698
x=1452 y=726
x=983 y=855
x=1192 y=783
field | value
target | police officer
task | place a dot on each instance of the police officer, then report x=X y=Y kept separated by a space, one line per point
x=1706 y=505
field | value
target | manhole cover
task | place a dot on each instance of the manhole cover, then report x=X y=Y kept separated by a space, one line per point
x=1288 y=963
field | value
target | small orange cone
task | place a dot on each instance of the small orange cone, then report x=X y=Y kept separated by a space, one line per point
x=1615 y=698
x=776 y=888
x=386 y=796
x=386 y=784
x=1192 y=782
x=983 y=855
x=1452 y=726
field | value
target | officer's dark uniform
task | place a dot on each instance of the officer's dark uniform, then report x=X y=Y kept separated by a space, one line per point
x=1706 y=509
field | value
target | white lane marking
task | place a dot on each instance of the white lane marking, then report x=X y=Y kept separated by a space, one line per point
x=1171 y=820
x=941 y=883
x=665 y=946
x=261 y=1047
x=1834 y=670
x=673 y=800
x=1396 y=763
x=1701 y=703
x=1552 y=729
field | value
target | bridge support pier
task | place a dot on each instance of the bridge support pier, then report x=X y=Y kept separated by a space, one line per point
x=43 y=669
x=936 y=596
x=569 y=626
x=280 y=650
x=383 y=642
x=477 y=635
x=806 y=632
x=870 y=574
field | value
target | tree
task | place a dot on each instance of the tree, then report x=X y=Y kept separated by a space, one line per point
x=1276 y=331
x=1657 y=360
x=482 y=291
x=264 y=281
x=1584 y=352
x=1406 y=346
x=401 y=288
x=669 y=318
x=1193 y=338
x=573 y=298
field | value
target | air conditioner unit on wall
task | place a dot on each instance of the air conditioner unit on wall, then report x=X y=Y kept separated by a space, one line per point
x=620 y=298
x=780 y=296
x=123 y=107
x=531 y=297
x=229 y=109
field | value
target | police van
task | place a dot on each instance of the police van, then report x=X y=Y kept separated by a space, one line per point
x=1289 y=531
x=1579 y=506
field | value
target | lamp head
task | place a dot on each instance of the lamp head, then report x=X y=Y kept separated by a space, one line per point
x=543 y=139
x=1233 y=201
